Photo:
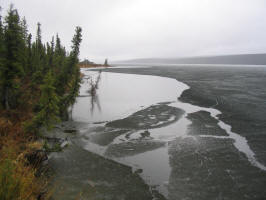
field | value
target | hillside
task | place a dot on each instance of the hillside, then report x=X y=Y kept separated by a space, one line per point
x=241 y=59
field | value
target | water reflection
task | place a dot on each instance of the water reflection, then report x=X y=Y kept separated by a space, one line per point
x=94 y=100
x=120 y=95
x=94 y=97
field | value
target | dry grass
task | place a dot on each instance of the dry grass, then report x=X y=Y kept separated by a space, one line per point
x=18 y=180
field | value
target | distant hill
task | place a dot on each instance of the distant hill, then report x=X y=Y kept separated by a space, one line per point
x=241 y=59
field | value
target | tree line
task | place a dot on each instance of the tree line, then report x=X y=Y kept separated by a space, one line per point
x=40 y=78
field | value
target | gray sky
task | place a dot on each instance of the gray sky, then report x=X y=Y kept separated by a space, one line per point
x=124 y=29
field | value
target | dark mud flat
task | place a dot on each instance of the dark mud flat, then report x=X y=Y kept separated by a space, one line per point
x=204 y=124
x=95 y=177
x=155 y=116
x=238 y=92
x=132 y=147
x=210 y=168
x=207 y=168
x=152 y=117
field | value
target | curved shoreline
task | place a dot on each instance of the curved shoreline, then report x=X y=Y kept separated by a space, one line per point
x=240 y=142
x=210 y=161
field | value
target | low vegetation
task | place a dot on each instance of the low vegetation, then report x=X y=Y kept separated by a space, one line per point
x=38 y=82
x=88 y=64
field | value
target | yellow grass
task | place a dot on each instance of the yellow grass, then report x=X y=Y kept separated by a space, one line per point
x=17 y=178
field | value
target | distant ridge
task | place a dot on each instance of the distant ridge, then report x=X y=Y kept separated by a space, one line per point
x=241 y=59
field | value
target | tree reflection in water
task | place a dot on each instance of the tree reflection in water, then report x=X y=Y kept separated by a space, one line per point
x=94 y=100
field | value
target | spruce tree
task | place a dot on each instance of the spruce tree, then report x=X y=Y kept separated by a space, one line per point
x=57 y=45
x=73 y=57
x=70 y=75
x=39 y=37
x=38 y=53
x=59 y=61
x=29 y=55
x=73 y=68
x=24 y=28
x=2 y=62
x=52 y=52
x=45 y=76
x=13 y=67
x=76 y=42
x=24 y=48
x=48 y=104
x=2 y=45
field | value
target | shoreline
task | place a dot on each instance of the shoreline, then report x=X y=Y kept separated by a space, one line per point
x=91 y=66
x=202 y=93
x=236 y=161
x=240 y=142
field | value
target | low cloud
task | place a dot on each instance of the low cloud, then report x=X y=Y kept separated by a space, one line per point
x=124 y=29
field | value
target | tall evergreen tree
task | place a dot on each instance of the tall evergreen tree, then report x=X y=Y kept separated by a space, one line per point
x=76 y=42
x=48 y=104
x=29 y=55
x=52 y=43
x=13 y=67
x=73 y=57
x=52 y=76
x=71 y=73
x=1 y=38
x=38 y=53
x=39 y=37
x=24 y=28
x=2 y=62
x=57 y=45
x=24 y=48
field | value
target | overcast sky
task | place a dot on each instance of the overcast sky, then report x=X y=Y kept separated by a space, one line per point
x=124 y=29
